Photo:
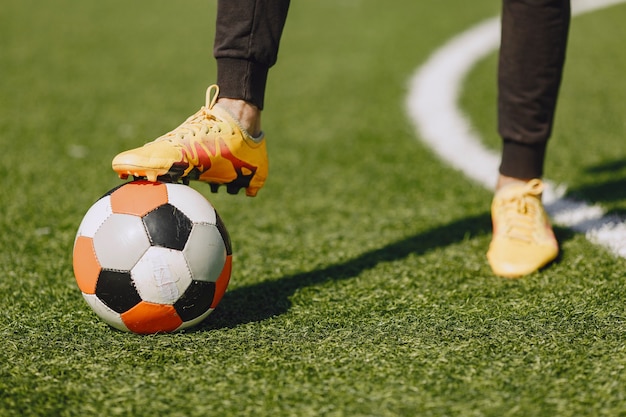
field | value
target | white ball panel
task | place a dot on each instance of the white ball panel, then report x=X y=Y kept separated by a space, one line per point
x=94 y=217
x=121 y=241
x=195 y=321
x=161 y=275
x=191 y=202
x=105 y=313
x=205 y=252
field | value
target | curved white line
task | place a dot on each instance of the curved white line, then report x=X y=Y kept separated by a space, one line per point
x=432 y=107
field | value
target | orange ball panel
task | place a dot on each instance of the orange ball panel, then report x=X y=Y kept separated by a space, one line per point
x=222 y=281
x=86 y=265
x=147 y=318
x=138 y=197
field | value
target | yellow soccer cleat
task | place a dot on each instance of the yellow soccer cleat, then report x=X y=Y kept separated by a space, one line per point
x=210 y=146
x=523 y=240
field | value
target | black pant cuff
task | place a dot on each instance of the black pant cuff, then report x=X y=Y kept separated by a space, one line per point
x=243 y=80
x=521 y=160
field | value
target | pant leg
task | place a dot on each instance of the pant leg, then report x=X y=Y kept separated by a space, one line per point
x=247 y=36
x=532 y=54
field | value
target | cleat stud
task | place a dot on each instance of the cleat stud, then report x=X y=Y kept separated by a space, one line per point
x=165 y=178
x=232 y=189
x=214 y=187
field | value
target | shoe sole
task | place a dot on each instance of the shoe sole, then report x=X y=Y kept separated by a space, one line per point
x=175 y=175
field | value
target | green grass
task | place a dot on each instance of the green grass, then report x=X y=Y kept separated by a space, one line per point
x=360 y=285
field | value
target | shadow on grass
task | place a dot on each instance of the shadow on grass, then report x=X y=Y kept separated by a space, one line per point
x=613 y=191
x=609 y=166
x=267 y=299
x=609 y=188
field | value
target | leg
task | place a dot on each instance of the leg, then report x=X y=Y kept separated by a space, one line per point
x=222 y=144
x=247 y=38
x=532 y=54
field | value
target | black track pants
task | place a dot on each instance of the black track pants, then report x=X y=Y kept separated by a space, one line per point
x=247 y=36
x=532 y=53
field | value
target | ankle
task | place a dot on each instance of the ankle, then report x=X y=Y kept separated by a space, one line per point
x=248 y=115
x=504 y=181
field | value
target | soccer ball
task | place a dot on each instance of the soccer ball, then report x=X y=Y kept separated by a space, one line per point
x=152 y=257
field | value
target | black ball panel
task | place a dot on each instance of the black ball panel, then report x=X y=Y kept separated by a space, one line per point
x=116 y=290
x=196 y=300
x=168 y=227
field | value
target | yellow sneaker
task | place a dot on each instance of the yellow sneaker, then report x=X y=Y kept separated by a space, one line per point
x=209 y=146
x=523 y=240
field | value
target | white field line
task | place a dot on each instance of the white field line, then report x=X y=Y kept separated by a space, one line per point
x=432 y=107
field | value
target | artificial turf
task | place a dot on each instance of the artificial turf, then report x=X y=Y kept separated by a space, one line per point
x=360 y=285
